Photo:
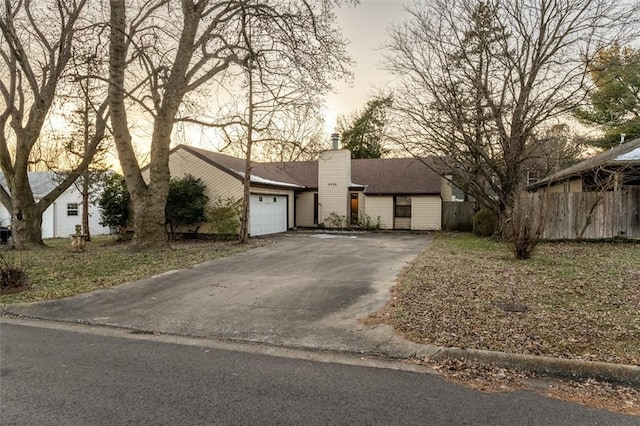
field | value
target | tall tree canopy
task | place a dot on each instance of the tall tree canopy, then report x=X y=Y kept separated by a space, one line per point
x=39 y=39
x=364 y=133
x=479 y=82
x=615 y=96
x=161 y=55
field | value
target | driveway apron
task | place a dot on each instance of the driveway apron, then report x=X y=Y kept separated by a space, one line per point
x=299 y=290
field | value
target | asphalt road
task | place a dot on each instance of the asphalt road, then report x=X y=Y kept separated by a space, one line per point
x=68 y=376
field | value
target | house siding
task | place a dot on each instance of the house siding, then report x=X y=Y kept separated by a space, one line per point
x=447 y=189
x=5 y=217
x=304 y=209
x=426 y=213
x=219 y=184
x=575 y=185
x=380 y=206
x=402 y=223
x=334 y=176
x=56 y=223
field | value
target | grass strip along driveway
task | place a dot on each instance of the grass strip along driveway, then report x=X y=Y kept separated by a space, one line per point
x=57 y=271
x=576 y=300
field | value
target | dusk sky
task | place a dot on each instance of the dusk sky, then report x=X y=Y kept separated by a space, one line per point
x=366 y=26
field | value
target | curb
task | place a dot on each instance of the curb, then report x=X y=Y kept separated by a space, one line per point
x=566 y=368
x=558 y=367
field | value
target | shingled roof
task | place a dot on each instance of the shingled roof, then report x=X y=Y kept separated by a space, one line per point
x=385 y=176
x=622 y=155
x=41 y=183
x=379 y=176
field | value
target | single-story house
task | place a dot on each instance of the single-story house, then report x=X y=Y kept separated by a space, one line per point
x=395 y=193
x=611 y=170
x=62 y=216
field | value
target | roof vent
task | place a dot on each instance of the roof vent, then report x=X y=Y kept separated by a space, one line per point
x=335 y=140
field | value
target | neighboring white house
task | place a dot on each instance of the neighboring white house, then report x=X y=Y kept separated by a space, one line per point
x=394 y=193
x=62 y=216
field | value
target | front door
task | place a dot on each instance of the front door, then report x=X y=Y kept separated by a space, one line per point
x=354 y=209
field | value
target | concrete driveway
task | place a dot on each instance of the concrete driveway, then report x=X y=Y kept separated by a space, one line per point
x=301 y=290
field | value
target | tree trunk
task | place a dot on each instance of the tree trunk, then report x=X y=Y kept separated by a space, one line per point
x=26 y=224
x=243 y=237
x=148 y=200
x=246 y=199
x=149 y=221
x=85 y=207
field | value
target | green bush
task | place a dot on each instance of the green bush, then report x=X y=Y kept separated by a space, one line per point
x=186 y=202
x=114 y=204
x=485 y=223
x=224 y=216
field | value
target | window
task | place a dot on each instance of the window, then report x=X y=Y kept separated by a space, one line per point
x=402 y=206
x=275 y=199
x=72 y=209
x=260 y=198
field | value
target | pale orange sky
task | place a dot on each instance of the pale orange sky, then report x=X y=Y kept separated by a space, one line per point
x=366 y=26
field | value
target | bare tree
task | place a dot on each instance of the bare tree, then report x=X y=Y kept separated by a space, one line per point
x=163 y=54
x=279 y=82
x=297 y=134
x=36 y=48
x=479 y=81
x=82 y=121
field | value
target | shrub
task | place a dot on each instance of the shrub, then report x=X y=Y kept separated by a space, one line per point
x=335 y=220
x=12 y=275
x=485 y=223
x=114 y=204
x=186 y=202
x=224 y=216
x=365 y=222
x=524 y=225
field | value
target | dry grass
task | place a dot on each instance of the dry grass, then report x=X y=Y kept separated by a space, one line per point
x=57 y=271
x=571 y=300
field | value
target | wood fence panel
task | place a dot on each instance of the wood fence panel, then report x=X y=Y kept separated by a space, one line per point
x=457 y=216
x=588 y=215
x=630 y=203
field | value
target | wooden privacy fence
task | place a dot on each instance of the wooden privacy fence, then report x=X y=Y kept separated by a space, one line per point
x=457 y=216
x=587 y=215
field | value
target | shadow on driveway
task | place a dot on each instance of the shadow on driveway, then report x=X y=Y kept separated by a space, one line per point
x=300 y=290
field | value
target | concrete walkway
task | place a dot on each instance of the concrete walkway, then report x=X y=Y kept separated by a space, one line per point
x=302 y=290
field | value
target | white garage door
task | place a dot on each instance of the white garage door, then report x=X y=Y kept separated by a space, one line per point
x=268 y=214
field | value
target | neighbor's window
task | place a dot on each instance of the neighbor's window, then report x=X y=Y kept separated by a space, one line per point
x=402 y=207
x=72 y=209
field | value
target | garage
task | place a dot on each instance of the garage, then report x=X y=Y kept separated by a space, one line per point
x=268 y=214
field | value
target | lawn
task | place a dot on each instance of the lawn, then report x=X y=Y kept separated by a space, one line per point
x=571 y=300
x=57 y=271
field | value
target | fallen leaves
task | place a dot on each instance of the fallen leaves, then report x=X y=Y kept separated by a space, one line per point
x=572 y=300
x=490 y=378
